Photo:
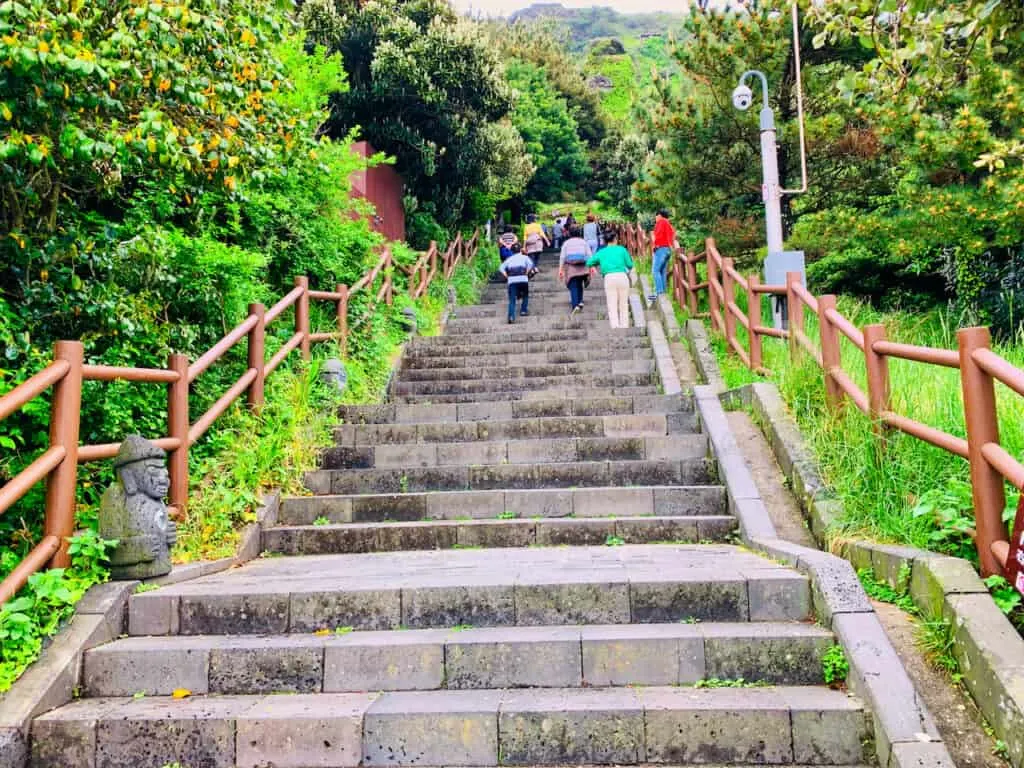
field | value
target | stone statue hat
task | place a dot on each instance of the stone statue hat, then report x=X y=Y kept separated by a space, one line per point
x=137 y=448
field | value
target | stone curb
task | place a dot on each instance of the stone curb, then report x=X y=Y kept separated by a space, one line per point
x=664 y=305
x=696 y=336
x=100 y=617
x=905 y=733
x=667 y=372
x=989 y=650
x=636 y=308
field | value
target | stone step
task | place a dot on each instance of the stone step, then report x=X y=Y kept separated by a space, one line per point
x=779 y=653
x=508 y=372
x=495 y=534
x=578 y=355
x=542 y=304
x=552 y=726
x=529 y=504
x=511 y=335
x=505 y=410
x=476 y=386
x=587 y=474
x=545 y=393
x=632 y=583
x=550 y=319
x=622 y=349
x=630 y=425
x=529 y=451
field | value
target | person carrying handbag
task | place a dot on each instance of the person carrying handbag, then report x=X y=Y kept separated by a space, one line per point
x=615 y=264
x=572 y=268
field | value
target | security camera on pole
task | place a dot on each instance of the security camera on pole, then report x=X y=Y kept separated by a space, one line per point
x=778 y=262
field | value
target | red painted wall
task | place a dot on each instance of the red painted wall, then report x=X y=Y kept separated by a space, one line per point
x=383 y=187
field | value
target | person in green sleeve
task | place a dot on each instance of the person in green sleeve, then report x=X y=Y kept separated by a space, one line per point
x=615 y=264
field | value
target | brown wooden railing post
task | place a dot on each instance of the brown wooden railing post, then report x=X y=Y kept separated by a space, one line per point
x=177 y=427
x=388 y=277
x=691 y=283
x=62 y=483
x=795 y=313
x=729 y=294
x=257 y=356
x=712 y=293
x=302 y=316
x=982 y=428
x=754 y=318
x=831 y=354
x=878 y=377
x=342 y=291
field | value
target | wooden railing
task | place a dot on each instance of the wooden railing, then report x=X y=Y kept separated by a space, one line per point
x=990 y=464
x=58 y=465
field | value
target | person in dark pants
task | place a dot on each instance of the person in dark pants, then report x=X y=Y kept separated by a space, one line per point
x=572 y=267
x=518 y=269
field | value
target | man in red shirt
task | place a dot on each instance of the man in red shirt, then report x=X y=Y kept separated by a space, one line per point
x=664 y=239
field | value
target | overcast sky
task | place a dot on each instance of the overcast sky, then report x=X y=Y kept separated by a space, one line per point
x=505 y=7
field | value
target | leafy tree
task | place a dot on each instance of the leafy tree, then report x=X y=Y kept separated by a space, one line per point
x=425 y=87
x=549 y=131
x=618 y=164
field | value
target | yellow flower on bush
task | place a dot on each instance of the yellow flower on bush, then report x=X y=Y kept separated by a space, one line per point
x=44 y=47
x=229 y=182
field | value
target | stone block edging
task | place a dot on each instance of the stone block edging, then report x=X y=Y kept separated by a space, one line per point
x=989 y=650
x=663 y=359
x=905 y=733
x=100 y=617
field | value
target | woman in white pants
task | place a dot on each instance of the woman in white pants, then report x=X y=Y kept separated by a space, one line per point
x=615 y=264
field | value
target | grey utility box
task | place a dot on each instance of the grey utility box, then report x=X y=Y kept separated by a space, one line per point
x=775 y=268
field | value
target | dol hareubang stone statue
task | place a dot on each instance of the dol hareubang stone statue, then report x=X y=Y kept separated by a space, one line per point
x=133 y=512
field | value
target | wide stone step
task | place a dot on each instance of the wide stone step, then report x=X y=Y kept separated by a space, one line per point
x=327 y=539
x=512 y=335
x=488 y=727
x=528 y=504
x=548 y=392
x=630 y=425
x=528 y=451
x=593 y=322
x=585 y=474
x=639 y=584
x=510 y=372
x=476 y=386
x=504 y=410
x=577 y=355
x=443 y=346
x=461 y=658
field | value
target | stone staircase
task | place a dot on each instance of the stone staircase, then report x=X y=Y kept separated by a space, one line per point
x=522 y=558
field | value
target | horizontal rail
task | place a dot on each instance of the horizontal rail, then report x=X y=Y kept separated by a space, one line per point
x=20 y=484
x=325 y=295
x=1000 y=369
x=88 y=453
x=325 y=336
x=224 y=402
x=931 y=355
x=936 y=437
x=855 y=393
x=696 y=257
x=286 y=301
x=740 y=315
x=740 y=351
x=740 y=279
x=809 y=348
x=1004 y=463
x=34 y=561
x=217 y=351
x=848 y=329
x=778 y=333
x=33 y=387
x=282 y=353
x=779 y=290
x=805 y=296
x=369 y=277
x=698 y=286
x=113 y=373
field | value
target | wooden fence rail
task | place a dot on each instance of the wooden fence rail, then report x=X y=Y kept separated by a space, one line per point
x=58 y=465
x=991 y=466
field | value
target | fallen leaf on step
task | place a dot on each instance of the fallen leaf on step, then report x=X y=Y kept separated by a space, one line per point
x=181 y=693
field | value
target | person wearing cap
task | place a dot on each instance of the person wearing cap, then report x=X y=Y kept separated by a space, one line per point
x=664 y=239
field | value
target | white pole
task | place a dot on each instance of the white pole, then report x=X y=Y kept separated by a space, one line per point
x=770 y=190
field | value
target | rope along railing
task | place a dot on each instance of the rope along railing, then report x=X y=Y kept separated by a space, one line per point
x=991 y=466
x=58 y=464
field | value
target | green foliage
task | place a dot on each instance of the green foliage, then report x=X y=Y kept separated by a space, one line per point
x=1007 y=599
x=550 y=134
x=614 y=541
x=425 y=87
x=618 y=102
x=834 y=666
x=883 y=592
x=41 y=607
x=585 y=25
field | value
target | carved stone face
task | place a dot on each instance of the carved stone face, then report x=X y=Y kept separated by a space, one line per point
x=150 y=478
